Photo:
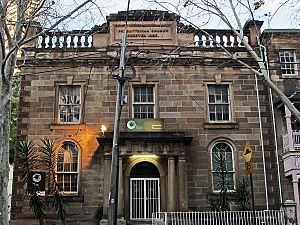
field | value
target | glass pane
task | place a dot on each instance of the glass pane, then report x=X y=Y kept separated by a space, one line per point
x=74 y=182
x=216 y=182
x=143 y=94
x=143 y=111
x=67 y=183
x=230 y=181
x=60 y=180
x=69 y=95
x=60 y=160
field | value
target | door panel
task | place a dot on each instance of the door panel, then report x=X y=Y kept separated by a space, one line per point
x=144 y=197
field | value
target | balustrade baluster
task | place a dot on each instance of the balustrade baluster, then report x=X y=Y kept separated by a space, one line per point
x=43 y=43
x=57 y=35
x=86 y=40
x=228 y=43
x=207 y=42
x=65 y=43
x=235 y=41
x=72 y=44
x=50 y=42
x=215 y=42
x=79 y=44
x=221 y=39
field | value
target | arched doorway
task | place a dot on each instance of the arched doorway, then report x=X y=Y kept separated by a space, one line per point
x=144 y=190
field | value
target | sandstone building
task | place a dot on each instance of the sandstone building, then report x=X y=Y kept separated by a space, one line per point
x=186 y=103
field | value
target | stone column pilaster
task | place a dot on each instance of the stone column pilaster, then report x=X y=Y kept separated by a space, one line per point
x=171 y=184
x=182 y=184
x=289 y=128
x=296 y=196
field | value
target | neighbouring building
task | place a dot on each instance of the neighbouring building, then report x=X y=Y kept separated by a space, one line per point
x=283 y=53
x=186 y=103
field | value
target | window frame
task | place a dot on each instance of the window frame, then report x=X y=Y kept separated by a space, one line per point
x=233 y=171
x=57 y=103
x=78 y=172
x=132 y=85
x=287 y=64
x=229 y=103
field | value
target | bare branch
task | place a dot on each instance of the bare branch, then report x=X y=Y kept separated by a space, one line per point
x=24 y=40
x=236 y=17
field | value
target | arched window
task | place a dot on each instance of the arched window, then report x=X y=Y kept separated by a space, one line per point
x=222 y=166
x=67 y=168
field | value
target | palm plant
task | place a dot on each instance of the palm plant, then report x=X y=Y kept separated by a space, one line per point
x=26 y=161
x=49 y=153
x=243 y=194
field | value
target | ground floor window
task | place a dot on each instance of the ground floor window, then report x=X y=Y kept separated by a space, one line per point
x=222 y=166
x=67 y=168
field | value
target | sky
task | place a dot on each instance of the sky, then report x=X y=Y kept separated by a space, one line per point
x=274 y=16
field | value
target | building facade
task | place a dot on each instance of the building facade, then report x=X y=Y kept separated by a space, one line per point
x=186 y=105
x=283 y=56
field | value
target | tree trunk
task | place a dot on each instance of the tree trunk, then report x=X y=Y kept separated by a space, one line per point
x=5 y=131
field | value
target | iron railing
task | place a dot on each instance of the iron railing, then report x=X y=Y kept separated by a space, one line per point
x=270 y=217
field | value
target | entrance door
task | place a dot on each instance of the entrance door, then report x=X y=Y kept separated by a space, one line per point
x=144 y=197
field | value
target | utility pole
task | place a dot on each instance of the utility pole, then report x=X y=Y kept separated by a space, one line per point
x=114 y=174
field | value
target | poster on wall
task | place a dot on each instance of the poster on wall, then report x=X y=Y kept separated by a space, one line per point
x=38 y=180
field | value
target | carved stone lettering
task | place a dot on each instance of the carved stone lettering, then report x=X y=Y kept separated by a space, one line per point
x=147 y=32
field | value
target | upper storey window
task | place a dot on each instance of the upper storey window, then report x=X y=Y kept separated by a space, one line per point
x=69 y=109
x=143 y=104
x=288 y=62
x=219 y=103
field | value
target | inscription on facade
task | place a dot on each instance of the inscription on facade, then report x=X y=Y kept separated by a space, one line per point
x=144 y=32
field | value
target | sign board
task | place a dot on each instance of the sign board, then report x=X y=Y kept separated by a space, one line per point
x=38 y=180
x=249 y=167
x=247 y=152
x=144 y=32
x=144 y=125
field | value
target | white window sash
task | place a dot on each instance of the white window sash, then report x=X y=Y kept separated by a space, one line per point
x=69 y=107
x=228 y=154
x=218 y=103
x=63 y=173
x=137 y=103
x=286 y=64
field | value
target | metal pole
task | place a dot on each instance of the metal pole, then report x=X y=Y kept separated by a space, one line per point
x=114 y=175
x=252 y=194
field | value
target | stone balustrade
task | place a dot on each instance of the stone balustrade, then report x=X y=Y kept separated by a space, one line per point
x=85 y=39
x=217 y=38
x=65 y=40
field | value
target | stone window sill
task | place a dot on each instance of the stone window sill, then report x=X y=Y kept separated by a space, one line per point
x=70 y=198
x=221 y=126
x=58 y=126
x=290 y=76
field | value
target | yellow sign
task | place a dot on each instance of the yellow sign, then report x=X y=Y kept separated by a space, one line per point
x=247 y=152
x=249 y=168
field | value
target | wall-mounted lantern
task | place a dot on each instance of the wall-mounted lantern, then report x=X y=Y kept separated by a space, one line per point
x=103 y=129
